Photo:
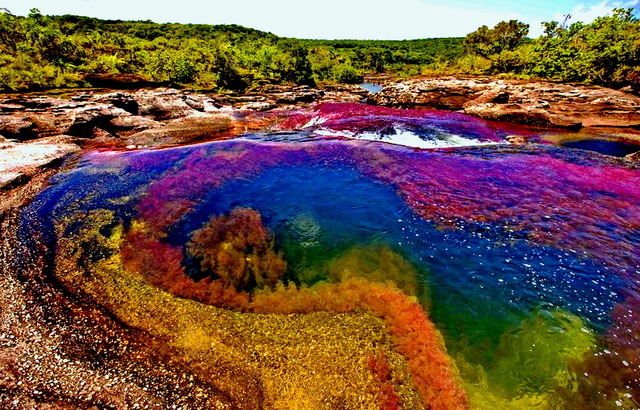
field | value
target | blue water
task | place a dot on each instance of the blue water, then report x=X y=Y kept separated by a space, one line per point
x=480 y=282
x=482 y=279
x=606 y=147
x=372 y=87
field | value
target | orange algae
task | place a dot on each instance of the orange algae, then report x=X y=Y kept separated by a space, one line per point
x=317 y=360
x=414 y=336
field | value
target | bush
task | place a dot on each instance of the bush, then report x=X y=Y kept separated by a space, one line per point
x=348 y=75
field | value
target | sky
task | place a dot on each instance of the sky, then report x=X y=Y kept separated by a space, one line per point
x=337 y=19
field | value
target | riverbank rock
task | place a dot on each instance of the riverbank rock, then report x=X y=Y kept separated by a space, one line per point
x=635 y=157
x=536 y=103
x=148 y=117
x=104 y=119
x=20 y=162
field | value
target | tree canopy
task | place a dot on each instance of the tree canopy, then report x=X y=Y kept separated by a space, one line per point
x=39 y=51
x=506 y=35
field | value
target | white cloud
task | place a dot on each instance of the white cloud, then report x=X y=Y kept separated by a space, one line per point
x=588 y=13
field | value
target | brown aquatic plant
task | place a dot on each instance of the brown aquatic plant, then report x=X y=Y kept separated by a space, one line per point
x=239 y=250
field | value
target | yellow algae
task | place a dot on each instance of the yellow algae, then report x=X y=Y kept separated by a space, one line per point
x=316 y=360
x=377 y=263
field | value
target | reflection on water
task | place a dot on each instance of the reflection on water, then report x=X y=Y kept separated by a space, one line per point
x=372 y=87
x=526 y=258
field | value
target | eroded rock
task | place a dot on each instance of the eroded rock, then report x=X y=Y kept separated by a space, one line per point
x=183 y=130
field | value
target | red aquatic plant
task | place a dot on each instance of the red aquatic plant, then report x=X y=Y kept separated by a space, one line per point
x=160 y=264
x=381 y=371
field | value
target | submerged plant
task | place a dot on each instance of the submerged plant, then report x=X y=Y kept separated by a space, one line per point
x=239 y=250
x=535 y=357
x=534 y=364
x=377 y=263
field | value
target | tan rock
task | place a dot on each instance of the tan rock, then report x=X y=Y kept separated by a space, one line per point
x=183 y=130
x=540 y=103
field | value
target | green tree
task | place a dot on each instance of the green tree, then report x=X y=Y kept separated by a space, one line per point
x=505 y=36
x=605 y=52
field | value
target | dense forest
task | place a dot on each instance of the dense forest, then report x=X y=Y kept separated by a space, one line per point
x=39 y=52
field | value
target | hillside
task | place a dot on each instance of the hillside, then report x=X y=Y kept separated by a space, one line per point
x=40 y=51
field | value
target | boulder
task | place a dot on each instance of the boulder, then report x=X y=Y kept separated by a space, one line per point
x=258 y=106
x=122 y=100
x=521 y=114
x=200 y=102
x=517 y=139
x=87 y=119
x=124 y=125
x=19 y=127
x=163 y=104
x=634 y=157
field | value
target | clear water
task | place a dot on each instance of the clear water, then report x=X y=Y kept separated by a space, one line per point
x=530 y=254
x=372 y=87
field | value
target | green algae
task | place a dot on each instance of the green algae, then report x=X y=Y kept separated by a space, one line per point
x=378 y=263
x=535 y=357
x=532 y=363
x=312 y=260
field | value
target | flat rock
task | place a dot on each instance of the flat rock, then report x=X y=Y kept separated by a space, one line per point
x=163 y=104
x=19 y=162
x=183 y=130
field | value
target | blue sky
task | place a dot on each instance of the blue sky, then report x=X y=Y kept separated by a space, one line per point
x=360 y=19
